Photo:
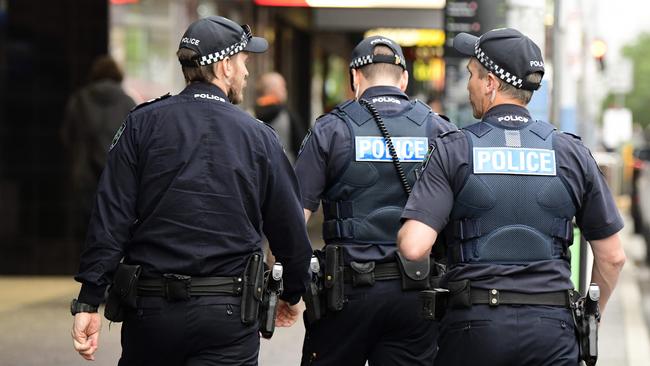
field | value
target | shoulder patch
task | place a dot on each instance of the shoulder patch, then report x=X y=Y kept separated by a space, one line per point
x=572 y=135
x=117 y=136
x=152 y=101
x=304 y=141
x=447 y=133
x=419 y=171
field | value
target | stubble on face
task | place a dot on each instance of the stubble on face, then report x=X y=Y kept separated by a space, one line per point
x=238 y=84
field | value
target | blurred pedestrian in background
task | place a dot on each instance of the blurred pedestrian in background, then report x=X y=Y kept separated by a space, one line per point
x=271 y=107
x=92 y=116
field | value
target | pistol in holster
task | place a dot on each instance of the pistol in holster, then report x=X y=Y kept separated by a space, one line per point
x=273 y=288
x=122 y=293
x=314 y=300
x=586 y=316
x=252 y=289
x=333 y=281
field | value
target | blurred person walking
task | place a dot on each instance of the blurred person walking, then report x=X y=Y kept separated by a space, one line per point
x=190 y=185
x=271 y=107
x=92 y=116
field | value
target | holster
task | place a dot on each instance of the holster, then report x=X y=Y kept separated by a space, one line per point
x=415 y=274
x=334 y=277
x=586 y=324
x=253 y=283
x=122 y=292
x=314 y=301
x=272 y=291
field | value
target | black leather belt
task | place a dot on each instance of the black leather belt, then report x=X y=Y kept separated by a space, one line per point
x=495 y=297
x=382 y=272
x=178 y=287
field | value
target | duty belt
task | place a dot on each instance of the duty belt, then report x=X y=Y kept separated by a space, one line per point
x=496 y=297
x=179 y=287
x=381 y=272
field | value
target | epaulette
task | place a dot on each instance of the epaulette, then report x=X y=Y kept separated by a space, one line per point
x=152 y=101
x=573 y=135
x=265 y=124
x=447 y=133
x=443 y=117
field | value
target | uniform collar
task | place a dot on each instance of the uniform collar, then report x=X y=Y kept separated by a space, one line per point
x=205 y=91
x=376 y=91
x=508 y=115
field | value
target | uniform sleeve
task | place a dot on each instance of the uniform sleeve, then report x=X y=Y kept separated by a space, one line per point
x=432 y=197
x=321 y=158
x=112 y=216
x=284 y=224
x=598 y=216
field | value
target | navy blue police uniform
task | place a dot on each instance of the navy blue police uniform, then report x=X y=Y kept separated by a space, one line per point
x=504 y=193
x=191 y=185
x=345 y=164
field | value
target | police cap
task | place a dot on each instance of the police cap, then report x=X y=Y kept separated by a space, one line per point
x=215 y=38
x=362 y=54
x=505 y=52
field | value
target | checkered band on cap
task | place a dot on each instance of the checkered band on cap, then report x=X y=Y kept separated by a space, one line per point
x=496 y=69
x=227 y=52
x=361 y=61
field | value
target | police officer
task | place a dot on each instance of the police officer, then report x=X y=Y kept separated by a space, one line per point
x=191 y=184
x=504 y=193
x=346 y=164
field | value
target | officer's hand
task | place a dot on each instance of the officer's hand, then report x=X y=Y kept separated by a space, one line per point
x=287 y=314
x=85 y=334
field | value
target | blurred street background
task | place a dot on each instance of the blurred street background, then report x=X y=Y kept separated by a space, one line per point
x=597 y=85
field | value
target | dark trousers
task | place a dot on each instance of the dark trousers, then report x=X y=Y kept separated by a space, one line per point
x=381 y=324
x=202 y=331
x=507 y=335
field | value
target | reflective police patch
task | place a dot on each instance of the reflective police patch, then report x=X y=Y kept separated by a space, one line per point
x=117 y=136
x=504 y=160
x=374 y=148
x=304 y=141
x=423 y=165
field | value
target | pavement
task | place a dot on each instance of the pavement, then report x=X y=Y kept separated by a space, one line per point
x=35 y=322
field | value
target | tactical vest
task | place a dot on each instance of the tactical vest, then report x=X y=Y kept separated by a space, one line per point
x=363 y=205
x=513 y=207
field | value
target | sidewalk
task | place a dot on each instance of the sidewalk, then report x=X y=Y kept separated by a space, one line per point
x=623 y=336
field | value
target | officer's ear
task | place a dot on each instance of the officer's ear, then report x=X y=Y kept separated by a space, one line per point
x=492 y=83
x=404 y=81
x=227 y=67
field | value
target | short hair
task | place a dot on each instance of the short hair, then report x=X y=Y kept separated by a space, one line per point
x=522 y=95
x=371 y=71
x=104 y=67
x=198 y=72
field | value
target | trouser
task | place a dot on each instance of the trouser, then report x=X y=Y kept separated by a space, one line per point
x=507 y=335
x=202 y=331
x=380 y=324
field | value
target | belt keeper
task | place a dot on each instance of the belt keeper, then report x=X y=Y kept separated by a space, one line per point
x=493 y=297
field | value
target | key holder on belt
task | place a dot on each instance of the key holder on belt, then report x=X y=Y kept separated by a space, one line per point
x=389 y=143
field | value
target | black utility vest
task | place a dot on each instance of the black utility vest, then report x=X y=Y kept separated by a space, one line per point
x=513 y=208
x=363 y=205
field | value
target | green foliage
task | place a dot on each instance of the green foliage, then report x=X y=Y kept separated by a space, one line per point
x=638 y=100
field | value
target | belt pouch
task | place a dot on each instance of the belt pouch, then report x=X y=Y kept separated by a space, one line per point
x=363 y=274
x=177 y=287
x=434 y=303
x=459 y=294
x=252 y=289
x=415 y=274
x=123 y=292
x=334 y=277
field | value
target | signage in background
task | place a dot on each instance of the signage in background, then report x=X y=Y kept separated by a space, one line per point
x=473 y=17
